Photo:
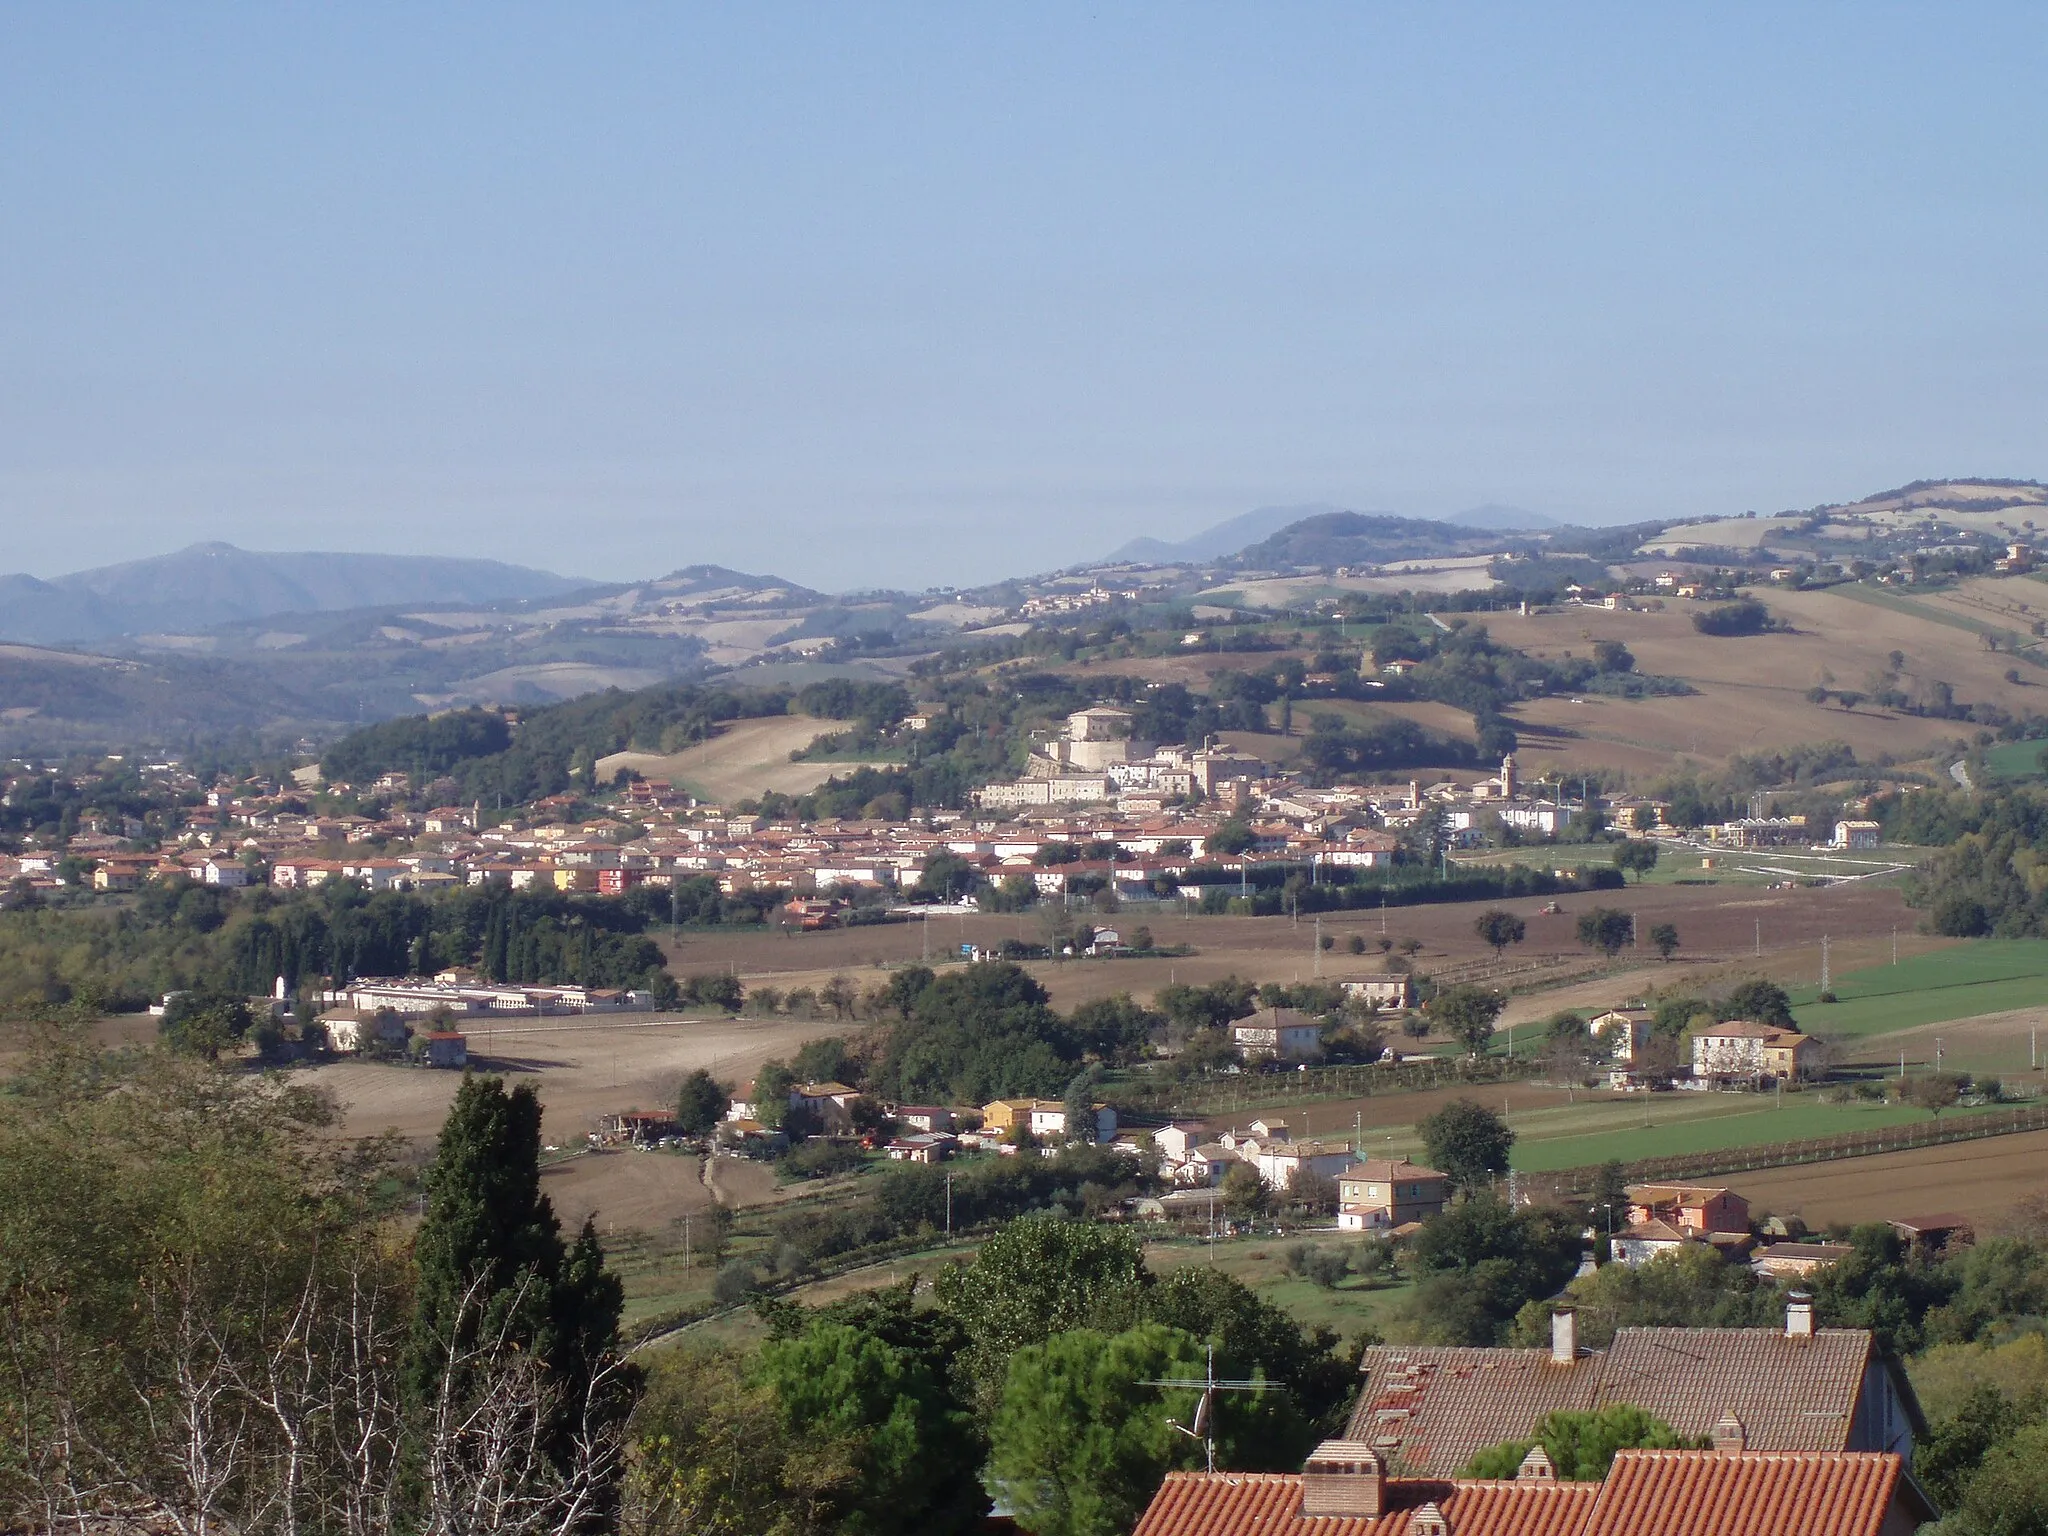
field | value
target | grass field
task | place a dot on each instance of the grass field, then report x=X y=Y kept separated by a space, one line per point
x=1983 y=977
x=1653 y=1126
x=2013 y=761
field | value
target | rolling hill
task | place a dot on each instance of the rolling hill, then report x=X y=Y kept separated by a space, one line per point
x=204 y=585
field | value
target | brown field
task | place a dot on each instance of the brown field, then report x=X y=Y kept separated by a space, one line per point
x=745 y=759
x=581 y=1071
x=1718 y=925
x=1752 y=688
x=625 y=1191
x=1980 y=1179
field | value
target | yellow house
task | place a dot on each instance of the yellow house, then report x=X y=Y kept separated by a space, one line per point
x=1004 y=1114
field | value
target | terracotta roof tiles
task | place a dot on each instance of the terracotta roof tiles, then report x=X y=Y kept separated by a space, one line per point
x=1708 y=1493
x=1269 y=1504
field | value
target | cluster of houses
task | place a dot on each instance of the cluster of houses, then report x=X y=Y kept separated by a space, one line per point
x=1730 y=1053
x=1147 y=813
x=1666 y=1218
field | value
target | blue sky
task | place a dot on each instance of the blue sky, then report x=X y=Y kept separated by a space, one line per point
x=892 y=295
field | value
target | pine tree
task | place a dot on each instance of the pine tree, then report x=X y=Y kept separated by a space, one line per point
x=488 y=1224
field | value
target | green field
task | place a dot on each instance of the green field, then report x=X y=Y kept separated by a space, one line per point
x=1657 y=1127
x=1985 y=976
x=1683 y=866
x=2011 y=761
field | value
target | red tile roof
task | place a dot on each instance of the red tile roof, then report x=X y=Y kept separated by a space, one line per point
x=1269 y=1504
x=1756 y=1493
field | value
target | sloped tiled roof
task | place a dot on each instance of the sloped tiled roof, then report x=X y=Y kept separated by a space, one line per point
x=1792 y=1394
x=1269 y=1504
x=1708 y=1493
x=1431 y=1409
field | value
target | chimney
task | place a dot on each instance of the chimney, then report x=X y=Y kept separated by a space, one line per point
x=1730 y=1438
x=1564 y=1337
x=1536 y=1467
x=1799 y=1315
x=1344 y=1477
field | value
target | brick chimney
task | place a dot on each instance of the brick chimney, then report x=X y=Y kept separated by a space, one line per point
x=1564 y=1336
x=1799 y=1315
x=1730 y=1438
x=1344 y=1477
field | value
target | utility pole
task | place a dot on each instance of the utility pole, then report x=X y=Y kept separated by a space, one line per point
x=1319 y=945
x=949 y=1204
x=1895 y=943
x=1759 y=938
x=1825 y=979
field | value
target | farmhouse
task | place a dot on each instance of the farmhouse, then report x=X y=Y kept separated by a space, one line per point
x=1283 y=1033
x=1378 y=1194
x=1744 y=1049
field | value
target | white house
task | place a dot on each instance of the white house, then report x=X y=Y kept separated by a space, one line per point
x=1049 y=1119
x=1280 y=1163
x=1858 y=834
x=1284 y=1033
x=1624 y=1033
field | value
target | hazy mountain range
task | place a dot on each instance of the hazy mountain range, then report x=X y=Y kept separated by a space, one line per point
x=205 y=585
x=1249 y=528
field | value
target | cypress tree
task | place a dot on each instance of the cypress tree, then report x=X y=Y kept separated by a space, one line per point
x=488 y=1224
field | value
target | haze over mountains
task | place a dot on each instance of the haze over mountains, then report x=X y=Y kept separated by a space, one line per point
x=1248 y=528
x=204 y=585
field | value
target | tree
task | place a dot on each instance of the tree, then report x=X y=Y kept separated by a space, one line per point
x=772 y=1083
x=715 y=1455
x=2007 y=1496
x=1036 y=1277
x=492 y=1264
x=1665 y=937
x=1410 y=946
x=1582 y=1445
x=1355 y=944
x=1079 y=1104
x=1496 y=928
x=1764 y=1002
x=907 y=986
x=1606 y=930
x=1933 y=1092
x=700 y=1104
x=1638 y=854
x=825 y=1060
x=1480 y=1263
x=1079 y=1442
x=1466 y=1013
x=887 y=1409
x=205 y=1023
x=1244 y=1193
x=838 y=994
x=1234 y=836
x=1468 y=1142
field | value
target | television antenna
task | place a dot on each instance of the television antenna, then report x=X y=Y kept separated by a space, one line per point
x=1203 y=1420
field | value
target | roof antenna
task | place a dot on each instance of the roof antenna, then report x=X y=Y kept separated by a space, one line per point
x=1203 y=1419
